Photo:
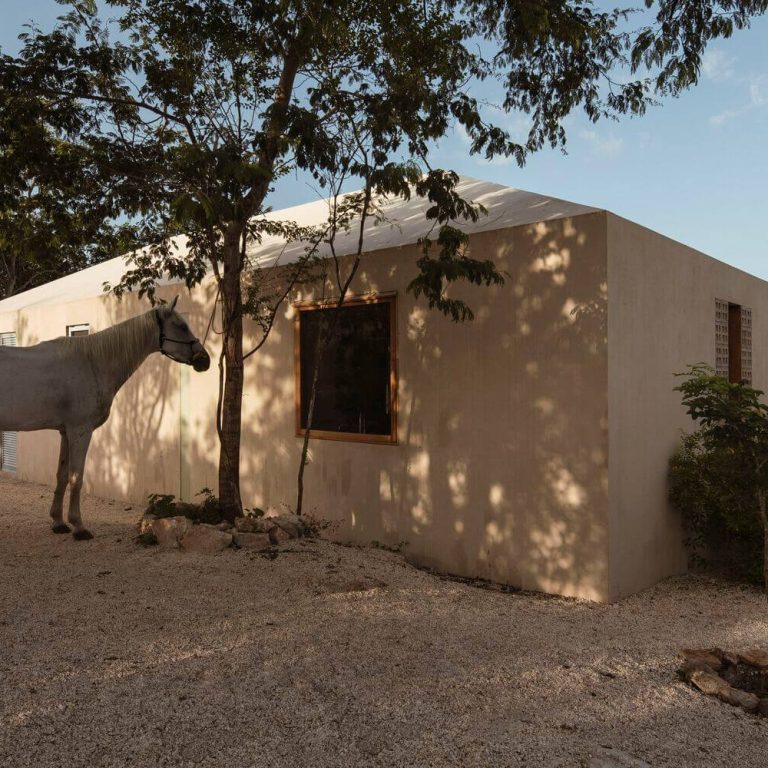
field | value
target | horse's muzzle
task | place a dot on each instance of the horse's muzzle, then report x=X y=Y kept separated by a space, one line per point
x=201 y=361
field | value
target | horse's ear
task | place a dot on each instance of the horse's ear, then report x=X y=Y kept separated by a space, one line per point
x=173 y=303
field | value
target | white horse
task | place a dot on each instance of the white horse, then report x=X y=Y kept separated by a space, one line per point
x=68 y=384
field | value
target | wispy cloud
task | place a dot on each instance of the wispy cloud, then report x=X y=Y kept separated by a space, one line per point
x=717 y=65
x=757 y=90
x=725 y=117
x=604 y=146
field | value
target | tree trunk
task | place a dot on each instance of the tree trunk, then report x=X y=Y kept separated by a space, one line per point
x=322 y=339
x=231 y=405
x=230 y=411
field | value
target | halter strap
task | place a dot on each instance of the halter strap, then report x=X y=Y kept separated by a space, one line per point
x=164 y=338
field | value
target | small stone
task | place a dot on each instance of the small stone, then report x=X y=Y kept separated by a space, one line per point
x=755 y=658
x=714 y=685
x=205 y=539
x=710 y=657
x=696 y=665
x=248 y=540
x=146 y=522
x=743 y=699
x=223 y=526
x=170 y=530
x=708 y=682
x=278 y=536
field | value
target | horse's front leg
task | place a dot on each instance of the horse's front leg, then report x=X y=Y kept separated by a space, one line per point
x=78 y=450
x=62 y=477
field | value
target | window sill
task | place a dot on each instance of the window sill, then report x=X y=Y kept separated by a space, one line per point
x=349 y=437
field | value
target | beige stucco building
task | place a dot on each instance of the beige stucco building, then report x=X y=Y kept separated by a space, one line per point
x=529 y=446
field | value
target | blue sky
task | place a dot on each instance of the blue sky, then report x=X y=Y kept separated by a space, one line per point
x=695 y=168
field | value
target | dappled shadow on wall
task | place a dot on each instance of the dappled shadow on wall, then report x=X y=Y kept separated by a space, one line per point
x=501 y=467
x=501 y=470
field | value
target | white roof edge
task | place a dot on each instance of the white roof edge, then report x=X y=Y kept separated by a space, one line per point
x=404 y=223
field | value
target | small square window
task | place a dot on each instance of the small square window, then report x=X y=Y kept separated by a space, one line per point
x=356 y=392
x=83 y=329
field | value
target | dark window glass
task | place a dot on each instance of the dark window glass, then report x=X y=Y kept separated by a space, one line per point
x=354 y=376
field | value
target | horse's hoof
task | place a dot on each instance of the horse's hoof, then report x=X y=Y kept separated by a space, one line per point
x=60 y=528
x=83 y=535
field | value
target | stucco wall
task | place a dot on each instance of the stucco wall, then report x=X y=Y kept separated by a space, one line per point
x=661 y=310
x=501 y=466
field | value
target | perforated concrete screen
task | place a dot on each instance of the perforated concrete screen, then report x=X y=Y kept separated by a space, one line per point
x=721 y=337
x=733 y=341
x=746 y=345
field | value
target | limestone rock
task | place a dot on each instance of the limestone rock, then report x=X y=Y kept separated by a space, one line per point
x=711 y=657
x=250 y=540
x=712 y=684
x=279 y=536
x=694 y=665
x=292 y=524
x=205 y=539
x=146 y=521
x=254 y=524
x=743 y=699
x=170 y=530
x=755 y=658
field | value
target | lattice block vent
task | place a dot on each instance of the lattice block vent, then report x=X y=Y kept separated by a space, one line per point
x=746 y=345
x=721 y=337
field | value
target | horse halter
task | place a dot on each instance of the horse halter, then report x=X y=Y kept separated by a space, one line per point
x=164 y=338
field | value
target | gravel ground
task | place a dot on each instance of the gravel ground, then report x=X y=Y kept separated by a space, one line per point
x=115 y=655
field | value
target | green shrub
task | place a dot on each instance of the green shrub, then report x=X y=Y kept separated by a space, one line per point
x=161 y=505
x=721 y=529
x=718 y=478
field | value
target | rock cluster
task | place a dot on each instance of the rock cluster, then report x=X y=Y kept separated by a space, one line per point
x=739 y=679
x=256 y=533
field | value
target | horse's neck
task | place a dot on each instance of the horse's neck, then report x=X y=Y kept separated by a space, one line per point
x=122 y=348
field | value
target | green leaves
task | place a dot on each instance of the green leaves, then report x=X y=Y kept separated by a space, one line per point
x=719 y=477
x=672 y=46
x=732 y=416
x=450 y=266
x=195 y=107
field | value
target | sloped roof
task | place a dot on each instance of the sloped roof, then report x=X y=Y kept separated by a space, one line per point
x=404 y=224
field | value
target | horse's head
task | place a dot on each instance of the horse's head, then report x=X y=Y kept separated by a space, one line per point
x=176 y=340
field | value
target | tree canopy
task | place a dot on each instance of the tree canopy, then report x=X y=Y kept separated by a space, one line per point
x=56 y=212
x=191 y=110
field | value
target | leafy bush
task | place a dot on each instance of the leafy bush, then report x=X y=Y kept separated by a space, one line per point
x=166 y=505
x=718 y=479
x=721 y=529
x=161 y=505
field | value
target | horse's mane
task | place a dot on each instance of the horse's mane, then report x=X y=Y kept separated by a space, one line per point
x=121 y=343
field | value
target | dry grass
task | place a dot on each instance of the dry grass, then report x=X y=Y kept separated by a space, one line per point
x=115 y=655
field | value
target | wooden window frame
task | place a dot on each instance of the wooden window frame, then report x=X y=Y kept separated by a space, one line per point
x=299 y=308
